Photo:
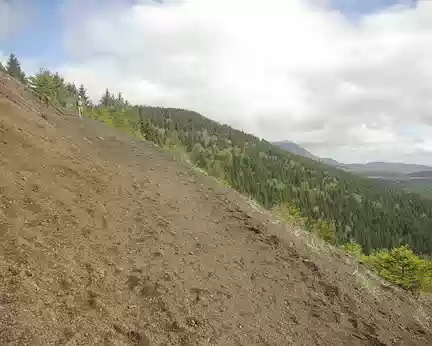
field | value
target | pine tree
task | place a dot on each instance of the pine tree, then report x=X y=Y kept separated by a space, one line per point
x=82 y=93
x=43 y=83
x=59 y=82
x=120 y=102
x=2 y=68
x=72 y=89
x=13 y=67
x=399 y=266
x=107 y=99
x=63 y=96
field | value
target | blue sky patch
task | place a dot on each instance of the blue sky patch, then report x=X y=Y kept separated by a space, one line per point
x=358 y=8
x=40 y=35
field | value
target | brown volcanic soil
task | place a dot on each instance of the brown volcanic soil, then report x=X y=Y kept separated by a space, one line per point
x=105 y=240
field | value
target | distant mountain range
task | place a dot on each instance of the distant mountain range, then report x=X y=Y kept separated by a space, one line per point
x=421 y=174
x=369 y=169
x=295 y=149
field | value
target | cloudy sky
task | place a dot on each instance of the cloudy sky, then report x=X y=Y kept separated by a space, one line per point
x=347 y=79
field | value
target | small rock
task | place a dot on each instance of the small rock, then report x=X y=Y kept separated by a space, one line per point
x=192 y=322
x=94 y=303
x=13 y=270
x=137 y=269
x=92 y=294
x=119 y=329
x=67 y=282
x=175 y=326
x=68 y=332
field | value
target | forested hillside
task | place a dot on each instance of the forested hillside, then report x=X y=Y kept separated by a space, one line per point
x=337 y=205
x=357 y=209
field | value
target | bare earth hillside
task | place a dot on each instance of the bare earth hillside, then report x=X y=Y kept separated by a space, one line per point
x=105 y=240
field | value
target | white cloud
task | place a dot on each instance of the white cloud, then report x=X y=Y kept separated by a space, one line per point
x=280 y=69
x=3 y=58
x=13 y=15
x=5 y=19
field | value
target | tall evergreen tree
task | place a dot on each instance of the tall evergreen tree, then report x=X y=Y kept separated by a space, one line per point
x=82 y=93
x=13 y=67
x=43 y=83
x=72 y=89
x=107 y=100
x=120 y=102
x=2 y=68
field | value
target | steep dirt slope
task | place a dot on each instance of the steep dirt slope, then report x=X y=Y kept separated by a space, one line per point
x=105 y=240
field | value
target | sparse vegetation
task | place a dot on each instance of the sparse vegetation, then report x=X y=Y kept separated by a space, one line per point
x=401 y=267
x=289 y=213
x=353 y=249
x=325 y=230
